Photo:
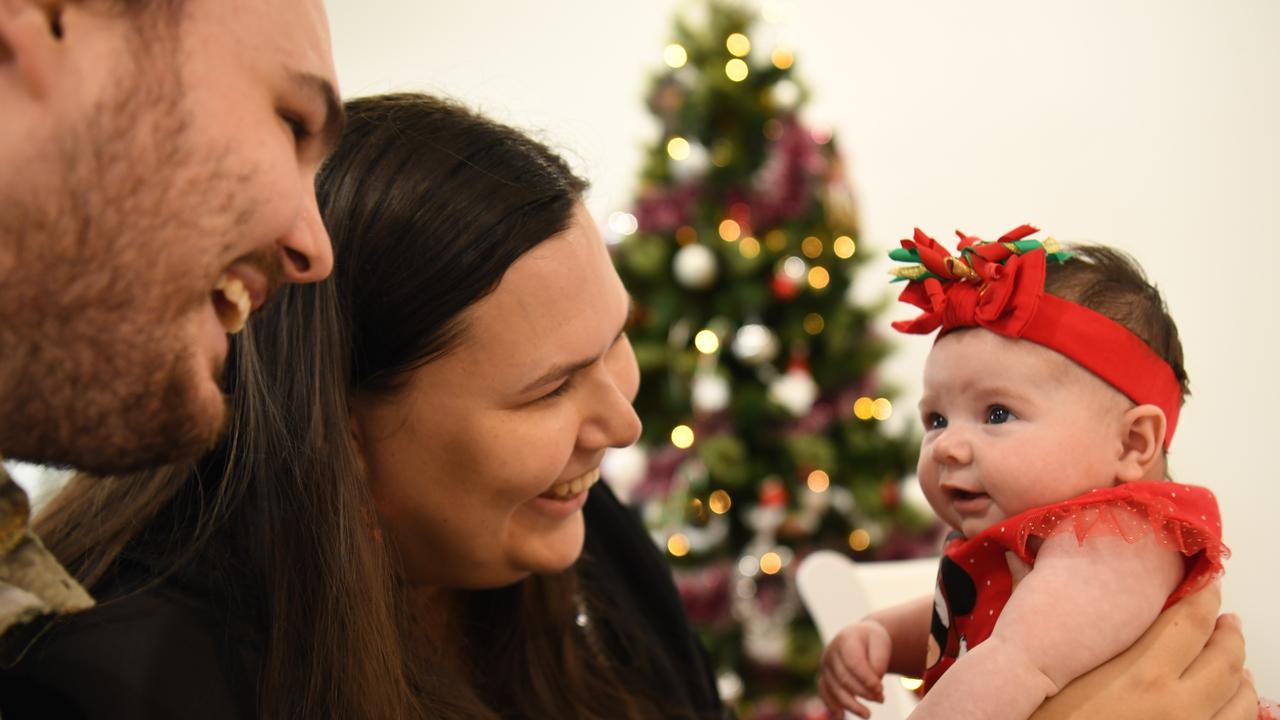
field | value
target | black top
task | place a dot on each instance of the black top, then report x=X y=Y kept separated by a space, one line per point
x=161 y=653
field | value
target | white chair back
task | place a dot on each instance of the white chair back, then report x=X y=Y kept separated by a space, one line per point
x=837 y=591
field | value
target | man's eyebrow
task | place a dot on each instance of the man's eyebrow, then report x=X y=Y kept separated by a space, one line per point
x=573 y=366
x=335 y=118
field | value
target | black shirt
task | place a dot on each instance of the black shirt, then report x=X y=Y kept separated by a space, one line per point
x=162 y=653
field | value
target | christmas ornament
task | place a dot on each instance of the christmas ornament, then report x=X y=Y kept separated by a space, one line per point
x=710 y=392
x=784 y=287
x=755 y=345
x=624 y=469
x=795 y=391
x=695 y=267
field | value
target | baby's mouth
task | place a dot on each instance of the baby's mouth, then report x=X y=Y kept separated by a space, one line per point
x=232 y=303
x=569 y=488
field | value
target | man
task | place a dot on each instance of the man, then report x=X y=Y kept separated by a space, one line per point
x=156 y=168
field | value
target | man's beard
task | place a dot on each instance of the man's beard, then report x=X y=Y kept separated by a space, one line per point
x=98 y=315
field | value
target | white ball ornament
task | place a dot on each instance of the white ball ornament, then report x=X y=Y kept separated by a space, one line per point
x=695 y=267
x=624 y=469
x=795 y=391
x=710 y=392
x=755 y=345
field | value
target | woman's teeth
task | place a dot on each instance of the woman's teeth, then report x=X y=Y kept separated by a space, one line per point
x=232 y=302
x=575 y=486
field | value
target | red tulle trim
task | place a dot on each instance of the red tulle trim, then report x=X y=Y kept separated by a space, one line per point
x=1191 y=530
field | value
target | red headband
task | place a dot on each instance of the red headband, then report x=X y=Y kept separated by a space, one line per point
x=999 y=286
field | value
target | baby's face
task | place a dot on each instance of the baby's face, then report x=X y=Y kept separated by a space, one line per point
x=1011 y=425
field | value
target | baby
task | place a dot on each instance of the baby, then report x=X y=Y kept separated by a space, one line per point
x=1050 y=399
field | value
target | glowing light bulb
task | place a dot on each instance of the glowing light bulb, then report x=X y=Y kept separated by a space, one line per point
x=706 y=341
x=749 y=247
x=678 y=545
x=730 y=230
x=675 y=55
x=720 y=502
x=819 y=481
x=859 y=540
x=738 y=45
x=678 y=148
x=737 y=70
x=819 y=278
x=881 y=409
x=844 y=247
x=770 y=563
x=783 y=58
x=682 y=436
x=864 y=408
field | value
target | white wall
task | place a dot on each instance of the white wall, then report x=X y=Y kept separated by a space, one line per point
x=1153 y=125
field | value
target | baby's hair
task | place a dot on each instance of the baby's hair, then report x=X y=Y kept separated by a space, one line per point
x=1110 y=282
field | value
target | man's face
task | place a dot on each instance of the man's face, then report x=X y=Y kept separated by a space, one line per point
x=167 y=191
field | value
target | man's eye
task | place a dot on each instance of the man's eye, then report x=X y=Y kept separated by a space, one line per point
x=934 y=421
x=998 y=415
x=297 y=127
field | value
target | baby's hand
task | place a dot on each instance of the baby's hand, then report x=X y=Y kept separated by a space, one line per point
x=853 y=665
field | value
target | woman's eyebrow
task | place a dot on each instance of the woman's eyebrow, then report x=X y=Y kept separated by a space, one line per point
x=568 y=368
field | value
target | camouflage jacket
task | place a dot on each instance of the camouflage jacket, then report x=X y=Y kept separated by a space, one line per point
x=34 y=588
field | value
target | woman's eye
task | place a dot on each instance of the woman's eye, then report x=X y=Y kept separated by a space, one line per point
x=998 y=415
x=560 y=390
x=934 y=421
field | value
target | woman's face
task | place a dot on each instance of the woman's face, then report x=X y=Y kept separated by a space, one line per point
x=479 y=465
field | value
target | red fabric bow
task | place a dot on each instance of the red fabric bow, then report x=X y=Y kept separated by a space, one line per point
x=987 y=285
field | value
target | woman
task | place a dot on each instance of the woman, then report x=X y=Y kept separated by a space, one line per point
x=394 y=526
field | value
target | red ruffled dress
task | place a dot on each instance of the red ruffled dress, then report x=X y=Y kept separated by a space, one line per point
x=974 y=581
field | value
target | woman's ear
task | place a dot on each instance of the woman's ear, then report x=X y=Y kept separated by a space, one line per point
x=29 y=45
x=1142 y=444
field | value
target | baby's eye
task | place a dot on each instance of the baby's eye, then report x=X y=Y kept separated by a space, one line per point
x=998 y=415
x=934 y=421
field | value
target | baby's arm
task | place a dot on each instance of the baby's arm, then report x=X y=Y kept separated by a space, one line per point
x=890 y=640
x=1081 y=605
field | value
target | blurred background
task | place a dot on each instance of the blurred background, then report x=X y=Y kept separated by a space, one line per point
x=779 y=406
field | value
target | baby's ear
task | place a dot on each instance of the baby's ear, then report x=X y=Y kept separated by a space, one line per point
x=1142 y=444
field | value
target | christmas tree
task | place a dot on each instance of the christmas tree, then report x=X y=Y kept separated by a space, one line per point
x=762 y=409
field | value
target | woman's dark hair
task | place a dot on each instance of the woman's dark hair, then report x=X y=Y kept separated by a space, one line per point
x=428 y=205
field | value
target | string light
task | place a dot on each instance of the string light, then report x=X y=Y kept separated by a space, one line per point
x=819 y=278
x=706 y=341
x=859 y=540
x=678 y=148
x=819 y=481
x=882 y=409
x=770 y=563
x=864 y=408
x=719 y=502
x=811 y=247
x=749 y=247
x=682 y=436
x=776 y=241
x=844 y=247
x=686 y=235
x=730 y=230
x=738 y=45
x=814 y=324
x=783 y=58
x=675 y=55
x=678 y=545
x=736 y=69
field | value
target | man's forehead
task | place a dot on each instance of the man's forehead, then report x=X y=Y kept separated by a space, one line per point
x=281 y=35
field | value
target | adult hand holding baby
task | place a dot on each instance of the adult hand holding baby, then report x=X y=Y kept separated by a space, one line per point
x=1189 y=664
